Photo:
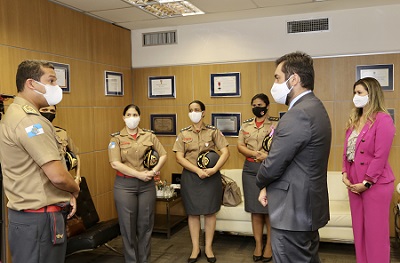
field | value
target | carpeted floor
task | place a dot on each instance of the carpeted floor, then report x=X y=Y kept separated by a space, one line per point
x=227 y=249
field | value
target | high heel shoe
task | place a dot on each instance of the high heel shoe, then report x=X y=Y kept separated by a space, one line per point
x=211 y=259
x=257 y=258
x=264 y=259
x=193 y=260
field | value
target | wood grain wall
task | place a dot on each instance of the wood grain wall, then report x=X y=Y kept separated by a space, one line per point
x=333 y=85
x=39 y=29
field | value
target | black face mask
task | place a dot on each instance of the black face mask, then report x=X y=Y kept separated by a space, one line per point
x=260 y=111
x=48 y=115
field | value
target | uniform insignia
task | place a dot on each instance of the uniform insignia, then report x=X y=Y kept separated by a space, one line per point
x=185 y=129
x=34 y=130
x=248 y=120
x=111 y=145
x=146 y=130
x=273 y=118
x=187 y=139
x=124 y=143
x=114 y=134
x=211 y=127
x=29 y=109
x=59 y=236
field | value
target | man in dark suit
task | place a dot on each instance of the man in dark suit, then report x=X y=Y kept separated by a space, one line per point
x=293 y=178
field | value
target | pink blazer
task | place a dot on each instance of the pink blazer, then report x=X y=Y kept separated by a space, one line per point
x=372 y=151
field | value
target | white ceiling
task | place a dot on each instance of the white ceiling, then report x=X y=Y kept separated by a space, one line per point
x=130 y=17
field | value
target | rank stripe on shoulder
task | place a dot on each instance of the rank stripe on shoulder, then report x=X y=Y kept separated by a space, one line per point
x=248 y=120
x=273 y=118
x=29 y=109
x=114 y=134
x=146 y=130
x=186 y=128
x=208 y=126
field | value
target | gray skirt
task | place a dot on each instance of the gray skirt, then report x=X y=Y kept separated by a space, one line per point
x=251 y=190
x=201 y=196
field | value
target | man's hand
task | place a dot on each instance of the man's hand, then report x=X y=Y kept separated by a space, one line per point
x=262 y=197
x=73 y=205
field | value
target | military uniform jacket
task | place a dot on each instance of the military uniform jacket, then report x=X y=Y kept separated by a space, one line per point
x=66 y=142
x=124 y=148
x=191 y=143
x=27 y=142
x=252 y=137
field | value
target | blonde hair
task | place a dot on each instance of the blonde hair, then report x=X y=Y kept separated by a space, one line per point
x=375 y=102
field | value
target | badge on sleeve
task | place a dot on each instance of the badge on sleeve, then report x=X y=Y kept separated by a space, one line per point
x=33 y=130
x=111 y=145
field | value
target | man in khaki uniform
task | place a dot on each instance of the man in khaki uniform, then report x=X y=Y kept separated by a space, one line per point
x=38 y=186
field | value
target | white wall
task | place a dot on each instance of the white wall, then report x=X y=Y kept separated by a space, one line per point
x=356 y=31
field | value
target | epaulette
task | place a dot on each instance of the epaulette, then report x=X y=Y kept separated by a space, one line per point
x=114 y=134
x=273 y=118
x=186 y=128
x=249 y=120
x=29 y=109
x=60 y=128
x=211 y=127
x=146 y=130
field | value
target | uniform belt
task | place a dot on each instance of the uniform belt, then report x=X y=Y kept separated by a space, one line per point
x=45 y=209
x=251 y=160
x=123 y=175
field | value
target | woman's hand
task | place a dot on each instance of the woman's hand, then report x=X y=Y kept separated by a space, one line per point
x=345 y=180
x=210 y=171
x=146 y=176
x=357 y=188
x=202 y=173
x=260 y=156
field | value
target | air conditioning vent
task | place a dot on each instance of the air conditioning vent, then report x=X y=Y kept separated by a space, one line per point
x=159 y=38
x=311 y=25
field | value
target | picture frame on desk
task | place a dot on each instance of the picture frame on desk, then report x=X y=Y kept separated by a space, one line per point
x=163 y=124
x=225 y=85
x=63 y=76
x=161 y=87
x=227 y=123
x=114 y=83
x=383 y=73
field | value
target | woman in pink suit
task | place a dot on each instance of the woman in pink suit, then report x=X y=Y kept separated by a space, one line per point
x=367 y=173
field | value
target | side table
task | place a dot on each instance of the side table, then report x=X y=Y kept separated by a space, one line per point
x=163 y=223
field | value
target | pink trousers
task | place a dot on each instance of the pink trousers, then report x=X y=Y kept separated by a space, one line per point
x=370 y=217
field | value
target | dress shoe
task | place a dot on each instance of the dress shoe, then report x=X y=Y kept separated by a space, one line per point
x=264 y=259
x=193 y=260
x=211 y=259
x=257 y=258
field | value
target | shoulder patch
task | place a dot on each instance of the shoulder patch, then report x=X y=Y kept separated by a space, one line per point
x=248 y=120
x=211 y=127
x=146 y=130
x=273 y=118
x=114 y=134
x=29 y=109
x=186 y=128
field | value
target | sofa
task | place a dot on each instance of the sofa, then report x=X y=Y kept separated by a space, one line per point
x=236 y=221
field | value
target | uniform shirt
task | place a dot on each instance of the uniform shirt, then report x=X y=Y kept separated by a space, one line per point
x=191 y=143
x=66 y=142
x=252 y=137
x=27 y=142
x=124 y=148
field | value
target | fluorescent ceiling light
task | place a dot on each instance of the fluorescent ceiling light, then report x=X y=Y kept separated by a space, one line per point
x=166 y=8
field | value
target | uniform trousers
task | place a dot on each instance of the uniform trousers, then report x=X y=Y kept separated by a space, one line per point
x=135 y=202
x=370 y=219
x=295 y=246
x=29 y=238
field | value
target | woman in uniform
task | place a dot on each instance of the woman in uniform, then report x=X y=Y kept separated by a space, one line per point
x=201 y=189
x=134 y=188
x=254 y=141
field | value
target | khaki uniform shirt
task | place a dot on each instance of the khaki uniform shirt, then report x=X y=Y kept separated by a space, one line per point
x=27 y=142
x=191 y=143
x=124 y=148
x=66 y=142
x=252 y=137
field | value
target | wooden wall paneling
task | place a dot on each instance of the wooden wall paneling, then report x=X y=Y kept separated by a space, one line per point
x=140 y=80
x=105 y=174
x=106 y=121
x=7 y=72
x=105 y=206
x=324 y=86
x=88 y=169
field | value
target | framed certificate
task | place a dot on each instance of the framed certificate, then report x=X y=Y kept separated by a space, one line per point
x=225 y=85
x=114 y=83
x=382 y=73
x=161 y=87
x=163 y=124
x=227 y=123
x=62 y=74
x=391 y=112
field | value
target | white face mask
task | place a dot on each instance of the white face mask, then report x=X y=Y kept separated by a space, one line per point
x=360 y=101
x=195 y=116
x=132 y=122
x=53 y=94
x=279 y=91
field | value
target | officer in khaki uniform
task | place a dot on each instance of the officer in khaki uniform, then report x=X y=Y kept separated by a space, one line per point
x=38 y=187
x=201 y=189
x=134 y=187
x=254 y=142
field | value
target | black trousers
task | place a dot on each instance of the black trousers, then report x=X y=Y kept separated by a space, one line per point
x=295 y=246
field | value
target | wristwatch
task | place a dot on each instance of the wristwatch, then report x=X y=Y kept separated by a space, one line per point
x=367 y=184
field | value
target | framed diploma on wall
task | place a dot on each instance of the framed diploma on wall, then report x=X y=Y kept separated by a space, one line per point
x=382 y=73
x=227 y=123
x=114 y=83
x=161 y=87
x=62 y=73
x=163 y=124
x=225 y=85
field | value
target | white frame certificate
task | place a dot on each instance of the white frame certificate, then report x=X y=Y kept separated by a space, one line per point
x=161 y=87
x=382 y=73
